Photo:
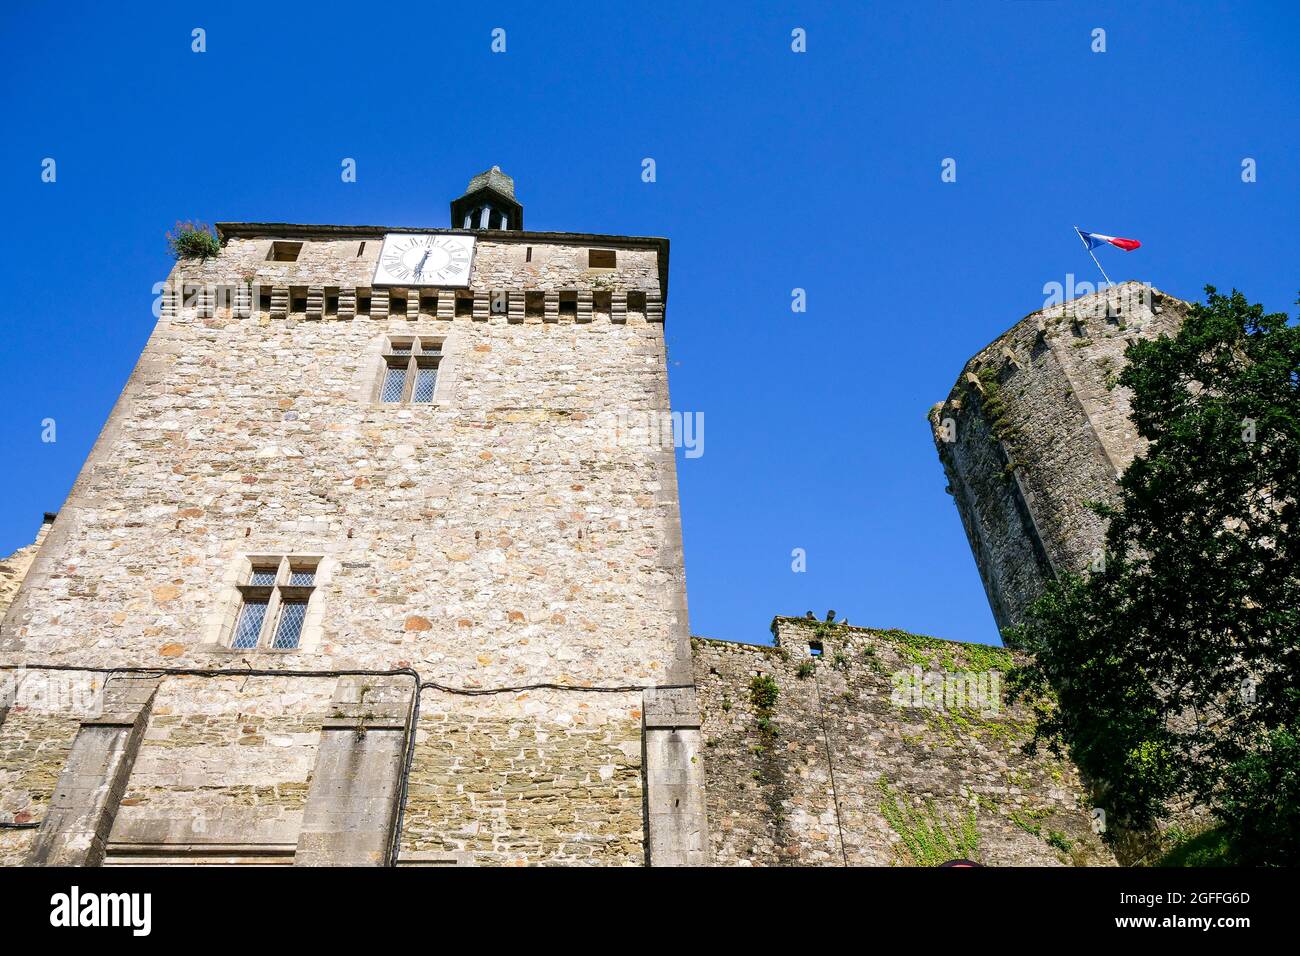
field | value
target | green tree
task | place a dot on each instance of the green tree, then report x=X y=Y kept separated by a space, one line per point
x=1174 y=669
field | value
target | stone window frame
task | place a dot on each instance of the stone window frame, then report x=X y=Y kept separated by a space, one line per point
x=384 y=357
x=219 y=633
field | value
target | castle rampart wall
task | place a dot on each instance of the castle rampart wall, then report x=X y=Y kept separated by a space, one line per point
x=814 y=779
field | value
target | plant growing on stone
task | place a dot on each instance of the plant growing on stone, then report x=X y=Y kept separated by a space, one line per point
x=193 y=240
x=929 y=837
x=805 y=669
x=763 y=692
x=362 y=718
x=1058 y=840
x=995 y=409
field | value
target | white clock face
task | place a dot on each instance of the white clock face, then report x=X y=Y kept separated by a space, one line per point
x=413 y=259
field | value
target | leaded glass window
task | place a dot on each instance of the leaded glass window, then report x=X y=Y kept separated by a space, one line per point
x=249 y=627
x=410 y=371
x=275 y=600
x=263 y=576
x=425 y=380
x=289 y=630
x=394 y=384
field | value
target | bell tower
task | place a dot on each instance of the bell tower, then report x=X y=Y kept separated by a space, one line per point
x=488 y=203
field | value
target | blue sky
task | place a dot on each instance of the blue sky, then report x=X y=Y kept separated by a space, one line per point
x=775 y=170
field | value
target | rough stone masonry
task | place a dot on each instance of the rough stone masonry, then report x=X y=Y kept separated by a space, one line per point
x=359 y=573
x=1036 y=428
x=506 y=544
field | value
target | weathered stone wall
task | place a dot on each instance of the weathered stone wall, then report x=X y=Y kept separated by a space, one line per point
x=35 y=740
x=516 y=531
x=1042 y=430
x=13 y=569
x=504 y=536
x=810 y=781
x=562 y=786
x=223 y=767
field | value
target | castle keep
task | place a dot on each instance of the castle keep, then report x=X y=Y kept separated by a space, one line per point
x=1036 y=429
x=378 y=560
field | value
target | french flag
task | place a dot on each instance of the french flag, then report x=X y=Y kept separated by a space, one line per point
x=1094 y=239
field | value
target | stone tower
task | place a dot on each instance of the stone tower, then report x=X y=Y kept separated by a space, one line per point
x=389 y=575
x=1036 y=428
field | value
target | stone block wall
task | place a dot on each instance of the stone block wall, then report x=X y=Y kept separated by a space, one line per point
x=13 y=569
x=562 y=786
x=847 y=764
x=223 y=769
x=514 y=532
x=504 y=536
x=227 y=770
x=1036 y=428
x=35 y=741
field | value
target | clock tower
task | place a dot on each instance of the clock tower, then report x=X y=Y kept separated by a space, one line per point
x=375 y=561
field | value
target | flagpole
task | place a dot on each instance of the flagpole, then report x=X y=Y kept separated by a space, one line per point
x=1094 y=258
